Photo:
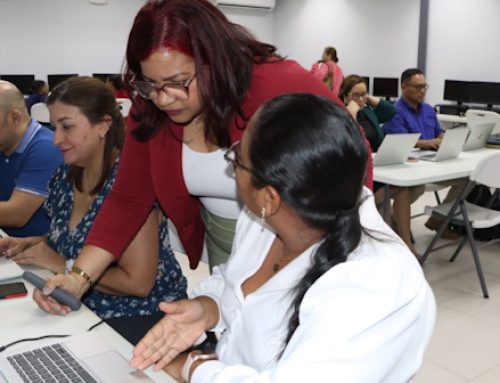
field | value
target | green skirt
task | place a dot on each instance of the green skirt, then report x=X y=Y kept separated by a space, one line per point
x=219 y=234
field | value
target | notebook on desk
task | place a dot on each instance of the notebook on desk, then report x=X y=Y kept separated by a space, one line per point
x=478 y=135
x=451 y=146
x=395 y=149
x=77 y=358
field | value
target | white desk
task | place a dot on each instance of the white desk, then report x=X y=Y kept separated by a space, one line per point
x=21 y=318
x=421 y=172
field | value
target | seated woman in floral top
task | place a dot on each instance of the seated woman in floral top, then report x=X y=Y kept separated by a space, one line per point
x=89 y=130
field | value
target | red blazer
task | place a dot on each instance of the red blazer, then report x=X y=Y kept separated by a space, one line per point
x=153 y=169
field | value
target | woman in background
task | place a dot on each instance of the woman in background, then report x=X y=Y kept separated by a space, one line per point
x=370 y=112
x=328 y=70
x=89 y=130
x=318 y=288
x=39 y=92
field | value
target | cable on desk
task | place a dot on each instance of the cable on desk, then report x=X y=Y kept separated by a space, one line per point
x=3 y=348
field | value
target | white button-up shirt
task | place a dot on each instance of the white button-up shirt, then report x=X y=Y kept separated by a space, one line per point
x=366 y=320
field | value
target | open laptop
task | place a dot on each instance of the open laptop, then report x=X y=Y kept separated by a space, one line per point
x=451 y=146
x=81 y=358
x=478 y=135
x=395 y=149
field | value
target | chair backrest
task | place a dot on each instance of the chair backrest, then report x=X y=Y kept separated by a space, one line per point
x=124 y=104
x=40 y=112
x=477 y=116
x=486 y=171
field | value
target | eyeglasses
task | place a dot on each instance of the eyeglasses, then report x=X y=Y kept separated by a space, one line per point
x=148 y=89
x=232 y=156
x=357 y=96
x=419 y=87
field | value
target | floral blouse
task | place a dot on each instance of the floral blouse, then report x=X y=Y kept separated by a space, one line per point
x=170 y=283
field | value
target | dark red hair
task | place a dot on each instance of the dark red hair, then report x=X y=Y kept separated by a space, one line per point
x=200 y=30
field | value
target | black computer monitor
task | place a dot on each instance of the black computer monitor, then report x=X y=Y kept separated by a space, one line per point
x=485 y=92
x=104 y=76
x=455 y=90
x=56 y=79
x=367 y=81
x=22 y=81
x=385 y=86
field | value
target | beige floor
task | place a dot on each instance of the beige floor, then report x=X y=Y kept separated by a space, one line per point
x=465 y=346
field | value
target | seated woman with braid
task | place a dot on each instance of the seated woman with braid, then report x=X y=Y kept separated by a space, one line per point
x=317 y=288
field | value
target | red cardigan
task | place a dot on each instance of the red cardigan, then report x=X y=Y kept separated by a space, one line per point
x=153 y=169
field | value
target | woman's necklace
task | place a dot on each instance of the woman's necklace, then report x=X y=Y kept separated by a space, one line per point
x=282 y=262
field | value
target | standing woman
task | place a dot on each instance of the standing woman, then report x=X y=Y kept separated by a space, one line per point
x=328 y=70
x=198 y=78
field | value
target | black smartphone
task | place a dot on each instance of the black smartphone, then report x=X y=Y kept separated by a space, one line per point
x=12 y=290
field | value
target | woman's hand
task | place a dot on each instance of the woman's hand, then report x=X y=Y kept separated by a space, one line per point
x=11 y=246
x=353 y=108
x=185 y=321
x=174 y=368
x=41 y=255
x=372 y=101
x=71 y=283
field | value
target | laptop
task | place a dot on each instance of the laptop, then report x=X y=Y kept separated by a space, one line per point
x=479 y=135
x=395 y=149
x=451 y=146
x=78 y=358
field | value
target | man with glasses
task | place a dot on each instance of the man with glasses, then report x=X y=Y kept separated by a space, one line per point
x=416 y=116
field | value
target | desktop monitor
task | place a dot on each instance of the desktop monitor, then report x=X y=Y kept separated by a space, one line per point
x=55 y=79
x=367 y=80
x=385 y=86
x=458 y=91
x=485 y=92
x=104 y=76
x=22 y=81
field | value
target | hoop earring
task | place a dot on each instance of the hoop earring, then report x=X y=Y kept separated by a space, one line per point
x=262 y=215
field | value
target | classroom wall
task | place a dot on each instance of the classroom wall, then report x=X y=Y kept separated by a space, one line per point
x=73 y=36
x=464 y=43
x=373 y=38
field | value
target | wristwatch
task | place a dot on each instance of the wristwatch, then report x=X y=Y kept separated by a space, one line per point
x=69 y=266
x=193 y=356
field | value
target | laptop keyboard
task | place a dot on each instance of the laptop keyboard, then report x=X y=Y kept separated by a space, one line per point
x=50 y=364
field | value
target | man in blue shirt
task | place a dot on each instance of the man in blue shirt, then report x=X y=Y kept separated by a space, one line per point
x=415 y=116
x=28 y=158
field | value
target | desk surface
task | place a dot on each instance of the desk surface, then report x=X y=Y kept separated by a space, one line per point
x=422 y=172
x=21 y=318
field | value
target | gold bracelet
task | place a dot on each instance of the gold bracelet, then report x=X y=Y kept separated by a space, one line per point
x=82 y=274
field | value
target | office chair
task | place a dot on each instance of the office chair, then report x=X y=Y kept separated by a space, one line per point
x=124 y=104
x=475 y=116
x=468 y=215
x=40 y=112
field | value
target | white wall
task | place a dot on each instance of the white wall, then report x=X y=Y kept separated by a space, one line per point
x=373 y=38
x=73 y=36
x=64 y=36
x=464 y=43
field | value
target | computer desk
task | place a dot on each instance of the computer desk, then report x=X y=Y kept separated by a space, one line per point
x=21 y=318
x=413 y=173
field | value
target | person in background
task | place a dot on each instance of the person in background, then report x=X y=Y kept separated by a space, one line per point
x=414 y=115
x=89 y=130
x=328 y=71
x=39 y=93
x=197 y=79
x=318 y=288
x=115 y=83
x=370 y=112
x=28 y=158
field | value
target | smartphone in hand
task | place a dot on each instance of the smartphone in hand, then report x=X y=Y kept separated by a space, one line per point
x=12 y=290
